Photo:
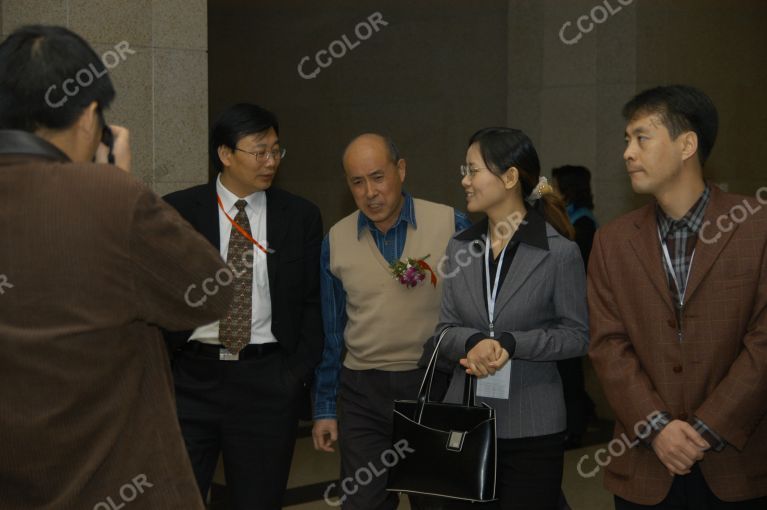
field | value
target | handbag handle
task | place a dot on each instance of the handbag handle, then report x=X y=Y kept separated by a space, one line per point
x=425 y=390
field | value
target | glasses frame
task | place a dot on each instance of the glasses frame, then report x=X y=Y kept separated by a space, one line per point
x=470 y=172
x=266 y=154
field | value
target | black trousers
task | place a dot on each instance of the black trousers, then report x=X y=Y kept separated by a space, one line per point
x=529 y=475
x=691 y=492
x=246 y=410
x=366 y=403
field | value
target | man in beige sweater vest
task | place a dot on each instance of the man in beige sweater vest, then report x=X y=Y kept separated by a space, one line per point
x=382 y=321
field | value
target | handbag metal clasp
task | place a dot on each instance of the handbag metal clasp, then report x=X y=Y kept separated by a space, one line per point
x=455 y=440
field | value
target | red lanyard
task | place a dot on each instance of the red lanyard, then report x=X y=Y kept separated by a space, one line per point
x=239 y=228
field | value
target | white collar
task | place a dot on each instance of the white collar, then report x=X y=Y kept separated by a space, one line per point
x=254 y=200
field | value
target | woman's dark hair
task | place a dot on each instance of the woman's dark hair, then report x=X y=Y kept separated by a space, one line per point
x=502 y=148
x=35 y=63
x=681 y=108
x=574 y=183
x=236 y=122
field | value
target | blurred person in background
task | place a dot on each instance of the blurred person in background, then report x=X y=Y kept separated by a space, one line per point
x=573 y=183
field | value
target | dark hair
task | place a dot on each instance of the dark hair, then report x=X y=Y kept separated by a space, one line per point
x=681 y=108
x=236 y=122
x=394 y=153
x=502 y=148
x=35 y=61
x=574 y=182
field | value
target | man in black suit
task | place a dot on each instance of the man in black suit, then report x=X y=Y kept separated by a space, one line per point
x=239 y=381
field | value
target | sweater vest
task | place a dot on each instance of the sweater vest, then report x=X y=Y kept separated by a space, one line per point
x=387 y=322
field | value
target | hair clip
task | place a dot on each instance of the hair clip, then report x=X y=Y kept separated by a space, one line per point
x=542 y=188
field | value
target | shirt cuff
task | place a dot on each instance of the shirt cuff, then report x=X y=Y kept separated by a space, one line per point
x=711 y=437
x=508 y=342
x=657 y=422
x=473 y=340
x=325 y=412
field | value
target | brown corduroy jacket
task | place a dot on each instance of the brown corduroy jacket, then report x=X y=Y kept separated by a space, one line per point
x=717 y=372
x=91 y=263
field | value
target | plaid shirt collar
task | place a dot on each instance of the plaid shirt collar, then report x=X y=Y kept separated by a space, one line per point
x=690 y=222
x=407 y=214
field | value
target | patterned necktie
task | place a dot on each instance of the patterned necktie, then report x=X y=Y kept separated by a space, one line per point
x=234 y=329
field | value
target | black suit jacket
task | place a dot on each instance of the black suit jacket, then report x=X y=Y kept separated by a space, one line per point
x=294 y=232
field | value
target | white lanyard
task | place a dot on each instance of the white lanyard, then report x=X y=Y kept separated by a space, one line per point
x=492 y=294
x=670 y=266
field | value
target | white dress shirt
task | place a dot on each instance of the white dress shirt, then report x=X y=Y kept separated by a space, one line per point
x=261 y=320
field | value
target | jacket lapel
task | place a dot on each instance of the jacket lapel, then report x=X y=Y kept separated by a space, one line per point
x=472 y=275
x=647 y=248
x=207 y=215
x=525 y=261
x=277 y=224
x=706 y=253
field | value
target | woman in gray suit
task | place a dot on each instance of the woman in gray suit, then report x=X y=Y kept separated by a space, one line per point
x=513 y=310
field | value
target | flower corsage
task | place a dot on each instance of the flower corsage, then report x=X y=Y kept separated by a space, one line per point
x=412 y=272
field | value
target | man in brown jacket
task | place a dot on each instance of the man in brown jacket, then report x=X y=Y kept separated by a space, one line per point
x=91 y=263
x=678 y=302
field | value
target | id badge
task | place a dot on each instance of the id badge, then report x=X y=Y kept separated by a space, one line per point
x=496 y=385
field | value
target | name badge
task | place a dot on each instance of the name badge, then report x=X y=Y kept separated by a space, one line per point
x=496 y=385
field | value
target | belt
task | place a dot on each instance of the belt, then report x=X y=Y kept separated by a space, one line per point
x=219 y=352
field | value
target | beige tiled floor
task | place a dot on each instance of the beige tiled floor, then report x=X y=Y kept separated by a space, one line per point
x=584 y=493
x=310 y=467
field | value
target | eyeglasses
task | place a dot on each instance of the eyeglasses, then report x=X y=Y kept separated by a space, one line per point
x=469 y=171
x=276 y=154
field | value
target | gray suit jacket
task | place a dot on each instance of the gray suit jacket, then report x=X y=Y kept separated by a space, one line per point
x=542 y=303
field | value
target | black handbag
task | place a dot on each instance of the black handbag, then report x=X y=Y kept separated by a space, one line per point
x=446 y=450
